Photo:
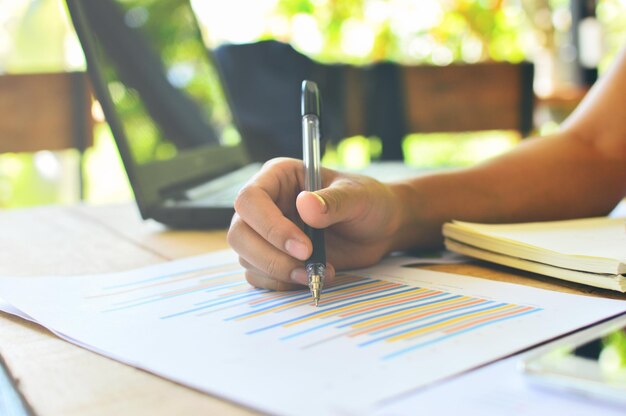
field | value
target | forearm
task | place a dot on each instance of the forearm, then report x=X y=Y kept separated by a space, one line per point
x=543 y=179
x=579 y=172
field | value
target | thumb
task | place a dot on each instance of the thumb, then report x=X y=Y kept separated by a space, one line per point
x=339 y=202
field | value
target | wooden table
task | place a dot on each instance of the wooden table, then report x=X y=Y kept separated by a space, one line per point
x=57 y=378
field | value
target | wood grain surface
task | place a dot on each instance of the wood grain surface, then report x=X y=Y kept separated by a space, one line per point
x=58 y=378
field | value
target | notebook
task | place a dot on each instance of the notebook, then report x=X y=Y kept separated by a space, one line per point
x=591 y=251
x=162 y=96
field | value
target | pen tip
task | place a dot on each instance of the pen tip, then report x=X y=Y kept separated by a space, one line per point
x=315 y=284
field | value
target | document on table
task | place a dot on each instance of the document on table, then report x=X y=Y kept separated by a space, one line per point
x=379 y=333
x=496 y=390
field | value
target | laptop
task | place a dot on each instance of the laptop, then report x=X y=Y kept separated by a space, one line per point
x=162 y=96
x=169 y=111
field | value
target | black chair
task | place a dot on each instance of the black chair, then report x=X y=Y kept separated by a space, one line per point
x=386 y=100
x=263 y=81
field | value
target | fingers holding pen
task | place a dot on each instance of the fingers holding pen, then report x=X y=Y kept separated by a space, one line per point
x=259 y=279
x=344 y=200
x=259 y=253
x=266 y=266
x=271 y=246
x=262 y=215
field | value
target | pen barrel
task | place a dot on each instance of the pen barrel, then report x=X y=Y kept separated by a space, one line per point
x=311 y=152
x=319 y=246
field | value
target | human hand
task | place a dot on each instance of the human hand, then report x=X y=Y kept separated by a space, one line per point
x=361 y=217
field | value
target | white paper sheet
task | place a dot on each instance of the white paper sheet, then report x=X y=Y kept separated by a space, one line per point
x=197 y=322
x=619 y=210
x=496 y=390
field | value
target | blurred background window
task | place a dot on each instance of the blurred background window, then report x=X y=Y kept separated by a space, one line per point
x=569 y=41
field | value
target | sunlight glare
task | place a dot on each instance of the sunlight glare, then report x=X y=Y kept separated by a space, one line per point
x=357 y=38
x=237 y=21
x=306 y=34
x=47 y=164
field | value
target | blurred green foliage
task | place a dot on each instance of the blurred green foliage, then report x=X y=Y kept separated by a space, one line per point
x=35 y=36
x=616 y=344
x=426 y=32
x=170 y=30
x=612 y=15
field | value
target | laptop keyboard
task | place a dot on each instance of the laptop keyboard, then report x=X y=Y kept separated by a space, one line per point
x=221 y=191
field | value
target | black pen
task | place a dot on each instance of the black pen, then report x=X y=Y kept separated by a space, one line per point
x=316 y=264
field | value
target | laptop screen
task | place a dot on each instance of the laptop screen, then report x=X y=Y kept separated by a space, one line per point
x=162 y=83
x=161 y=94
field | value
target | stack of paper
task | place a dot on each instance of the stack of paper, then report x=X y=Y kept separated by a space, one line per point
x=590 y=251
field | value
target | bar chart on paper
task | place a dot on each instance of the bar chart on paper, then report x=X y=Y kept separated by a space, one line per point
x=378 y=333
x=392 y=319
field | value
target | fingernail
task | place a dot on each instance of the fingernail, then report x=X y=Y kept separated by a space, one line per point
x=297 y=249
x=299 y=276
x=322 y=201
